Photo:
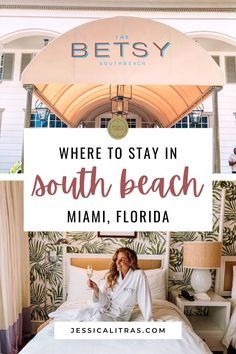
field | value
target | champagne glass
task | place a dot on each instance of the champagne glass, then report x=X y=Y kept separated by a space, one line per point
x=89 y=272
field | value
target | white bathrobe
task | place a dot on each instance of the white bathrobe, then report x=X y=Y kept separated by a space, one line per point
x=114 y=304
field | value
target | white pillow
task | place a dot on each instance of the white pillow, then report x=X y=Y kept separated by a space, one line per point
x=77 y=283
x=157 y=282
x=233 y=292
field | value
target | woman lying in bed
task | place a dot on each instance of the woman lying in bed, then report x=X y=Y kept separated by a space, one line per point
x=124 y=286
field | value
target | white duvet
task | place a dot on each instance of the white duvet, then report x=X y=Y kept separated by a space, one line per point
x=44 y=342
x=230 y=335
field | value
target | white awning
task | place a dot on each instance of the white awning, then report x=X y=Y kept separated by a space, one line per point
x=169 y=72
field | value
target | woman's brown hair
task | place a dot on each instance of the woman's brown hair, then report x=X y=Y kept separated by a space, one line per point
x=113 y=272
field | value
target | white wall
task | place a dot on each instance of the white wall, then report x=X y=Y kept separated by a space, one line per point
x=12 y=100
x=227 y=105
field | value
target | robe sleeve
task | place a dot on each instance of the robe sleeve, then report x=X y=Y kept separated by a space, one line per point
x=103 y=296
x=101 y=288
x=144 y=297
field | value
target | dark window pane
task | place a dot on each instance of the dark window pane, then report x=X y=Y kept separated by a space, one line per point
x=37 y=124
x=184 y=123
x=51 y=122
x=44 y=124
x=104 y=122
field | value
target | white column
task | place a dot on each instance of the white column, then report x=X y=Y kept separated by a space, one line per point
x=29 y=89
x=216 y=133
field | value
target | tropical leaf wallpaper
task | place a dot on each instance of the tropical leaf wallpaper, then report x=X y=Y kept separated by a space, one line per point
x=46 y=274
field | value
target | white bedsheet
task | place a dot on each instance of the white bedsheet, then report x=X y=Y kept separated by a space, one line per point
x=44 y=342
x=230 y=334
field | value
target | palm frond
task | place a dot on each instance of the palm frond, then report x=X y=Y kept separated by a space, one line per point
x=176 y=260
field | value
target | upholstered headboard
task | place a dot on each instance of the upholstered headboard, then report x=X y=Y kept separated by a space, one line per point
x=104 y=263
x=226 y=274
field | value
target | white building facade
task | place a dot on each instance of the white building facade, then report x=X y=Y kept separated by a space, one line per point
x=25 y=29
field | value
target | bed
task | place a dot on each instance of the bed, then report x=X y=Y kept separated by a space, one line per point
x=156 y=270
x=228 y=288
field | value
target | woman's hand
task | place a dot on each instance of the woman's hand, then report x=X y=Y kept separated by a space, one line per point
x=93 y=285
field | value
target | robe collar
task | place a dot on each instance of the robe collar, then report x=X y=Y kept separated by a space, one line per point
x=121 y=280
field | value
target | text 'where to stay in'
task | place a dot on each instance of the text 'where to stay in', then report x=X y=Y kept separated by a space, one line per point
x=92 y=181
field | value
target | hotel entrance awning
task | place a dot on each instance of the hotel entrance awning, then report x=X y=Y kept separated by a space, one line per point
x=170 y=73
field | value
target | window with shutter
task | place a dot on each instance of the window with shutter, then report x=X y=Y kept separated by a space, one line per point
x=7 y=66
x=230 y=69
x=25 y=60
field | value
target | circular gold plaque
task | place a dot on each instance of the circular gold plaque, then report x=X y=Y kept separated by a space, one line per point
x=118 y=127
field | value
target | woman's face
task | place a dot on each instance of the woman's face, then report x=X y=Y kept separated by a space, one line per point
x=122 y=263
